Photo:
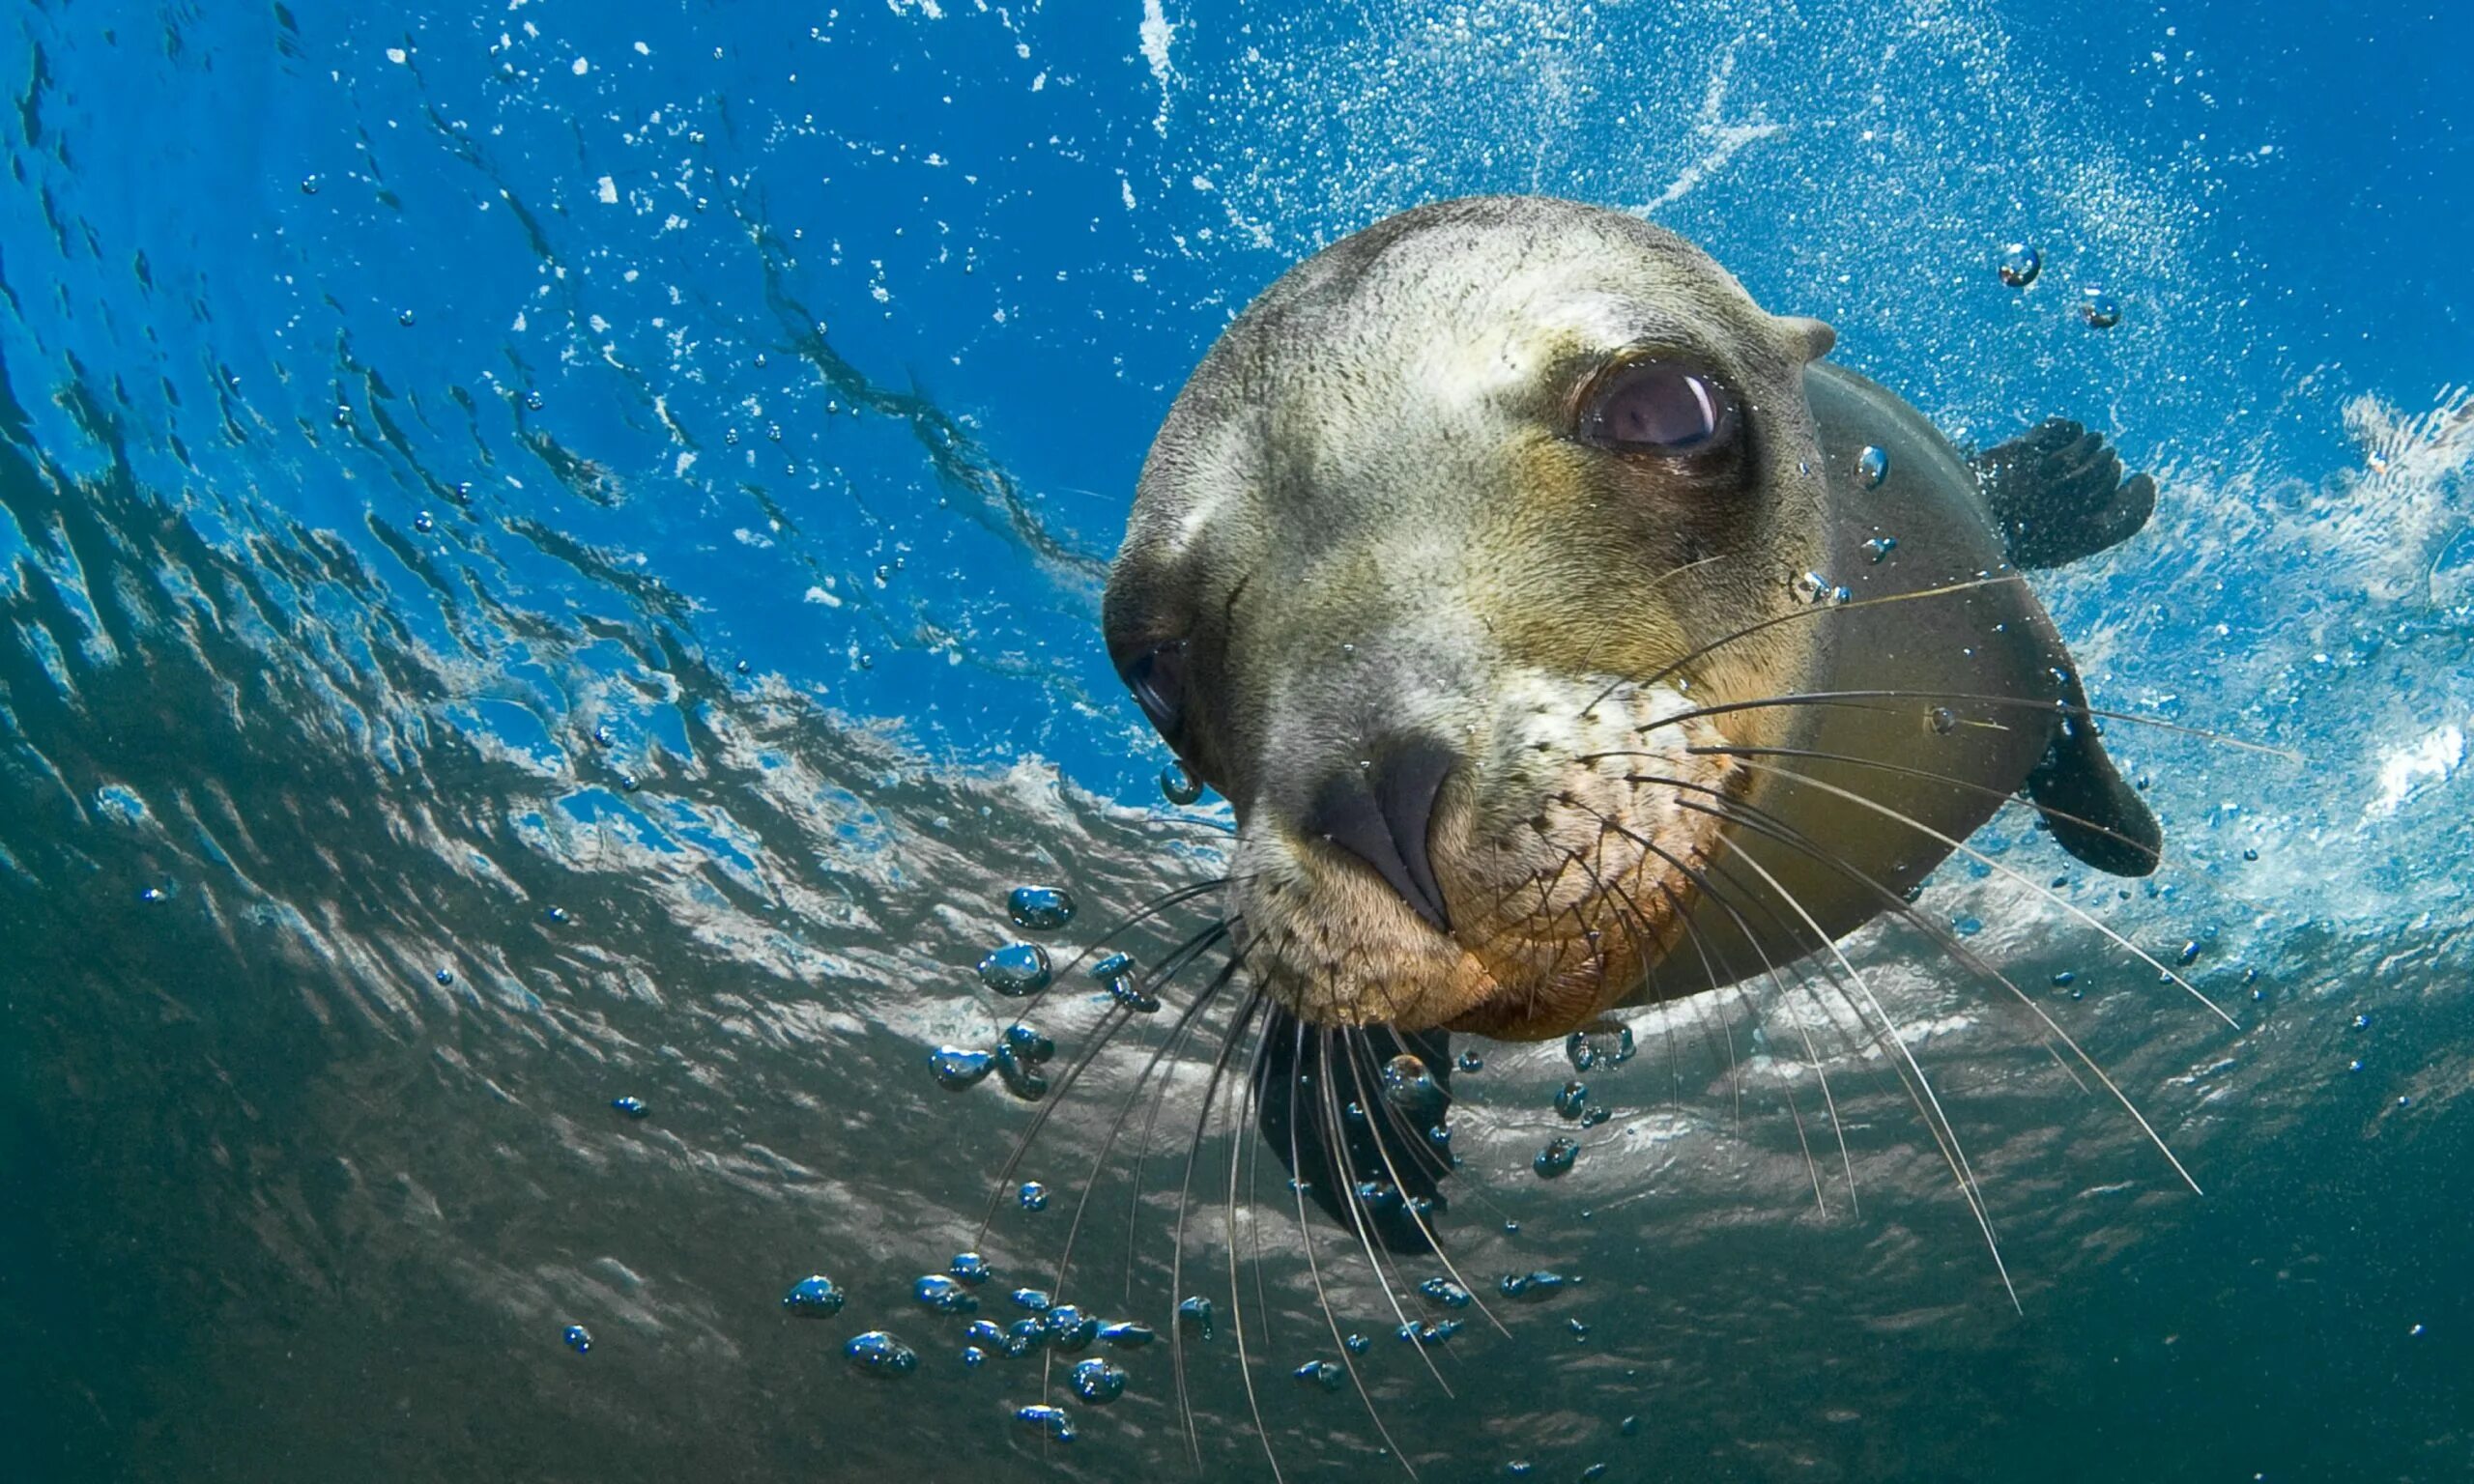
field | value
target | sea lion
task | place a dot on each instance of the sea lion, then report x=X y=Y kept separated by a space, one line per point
x=1566 y=634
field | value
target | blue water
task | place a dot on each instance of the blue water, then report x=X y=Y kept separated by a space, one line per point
x=553 y=557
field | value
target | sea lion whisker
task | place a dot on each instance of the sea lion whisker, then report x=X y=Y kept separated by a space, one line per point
x=1798 y=615
x=1786 y=835
x=1236 y=1299
x=1185 y=1027
x=1315 y=1269
x=1953 y=1150
x=1111 y=1020
x=1237 y=1028
x=1812 y=1053
x=1349 y=1201
x=1139 y=915
x=1363 y=1072
x=1856 y=697
x=1186 y=1017
x=1926 y=774
x=1973 y=854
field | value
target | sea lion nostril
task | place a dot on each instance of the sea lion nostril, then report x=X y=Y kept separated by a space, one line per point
x=1382 y=816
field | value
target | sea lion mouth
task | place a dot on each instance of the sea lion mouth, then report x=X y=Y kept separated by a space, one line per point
x=1516 y=889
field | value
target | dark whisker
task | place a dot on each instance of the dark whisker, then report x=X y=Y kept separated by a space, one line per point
x=1239 y=1026
x=1314 y=1267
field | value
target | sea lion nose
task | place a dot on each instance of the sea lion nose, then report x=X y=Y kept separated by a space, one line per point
x=1381 y=813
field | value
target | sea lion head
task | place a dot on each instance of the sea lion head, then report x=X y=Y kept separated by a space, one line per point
x=1427 y=564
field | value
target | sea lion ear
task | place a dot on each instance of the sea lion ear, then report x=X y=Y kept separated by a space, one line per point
x=1809 y=338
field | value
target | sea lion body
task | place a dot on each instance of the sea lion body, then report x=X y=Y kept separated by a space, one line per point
x=1490 y=565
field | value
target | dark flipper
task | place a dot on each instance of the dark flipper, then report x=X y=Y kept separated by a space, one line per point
x=1388 y=1152
x=2056 y=494
x=2076 y=779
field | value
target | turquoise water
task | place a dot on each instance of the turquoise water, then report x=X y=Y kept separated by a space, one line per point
x=552 y=557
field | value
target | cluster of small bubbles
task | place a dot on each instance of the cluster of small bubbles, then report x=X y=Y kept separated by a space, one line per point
x=1410 y=1087
x=1555 y=1158
x=1049 y=1422
x=1880 y=547
x=1942 y=719
x=2100 y=309
x=1069 y=1330
x=1097 y=1382
x=944 y=1295
x=424 y=522
x=1445 y=1292
x=1016 y=969
x=969 y=1267
x=1603 y=1044
x=774 y=431
x=577 y=1338
x=1321 y=1373
x=1470 y=1062
x=1178 y=784
x=1533 y=1287
x=958 y=1067
x=1020 y=1051
x=1195 y=1314
x=1033 y=1195
x=1573 y=1099
x=1040 y=908
x=1126 y=1334
x=631 y=1105
x=1117 y=973
x=878 y=1354
x=1873 y=466
x=2019 y=264
x=1428 y=1335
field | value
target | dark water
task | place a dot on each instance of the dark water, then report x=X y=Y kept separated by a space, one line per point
x=436 y=703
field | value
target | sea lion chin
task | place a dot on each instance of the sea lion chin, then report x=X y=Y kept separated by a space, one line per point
x=1493 y=565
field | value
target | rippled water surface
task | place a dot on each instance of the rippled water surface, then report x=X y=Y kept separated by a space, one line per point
x=551 y=559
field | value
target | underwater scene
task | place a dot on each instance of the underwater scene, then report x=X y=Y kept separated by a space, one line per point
x=710 y=769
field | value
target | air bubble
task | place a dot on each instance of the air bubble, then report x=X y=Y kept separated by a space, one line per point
x=1016 y=969
x=1809 y=587
x=1407 y=1085
x=1033 y=1197
x=958 y=1067
x=1097 y=1382
x=1068 y=1329
x=1533 y=1287
x=1445 y=1292
x=944 y=1295
x=1573 y=1099
x=1606 y=1043
x=969 y=1267
x=814 y=1296
x=424 y=523
x=878 y=1354
x=1195 y=1314
x=577 y=1338
x=2019 y=264
x=1321 y=1373
x=1873 y=466
x=1040 y=908
x=1126 y=1334
x=1049 y=1422
x=1178 y=784
x=1879 y=548
x=2100 y=309
x=1555 y=1158
x=1942 y=719
x=632 y=1107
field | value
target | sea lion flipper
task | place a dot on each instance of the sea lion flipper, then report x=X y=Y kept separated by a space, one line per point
x=1307 y=1117
x=2056 y=493
x=2092 y=812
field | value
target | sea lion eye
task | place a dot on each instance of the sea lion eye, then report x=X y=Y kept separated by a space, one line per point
x=1156 y=677
x=1658 y=407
